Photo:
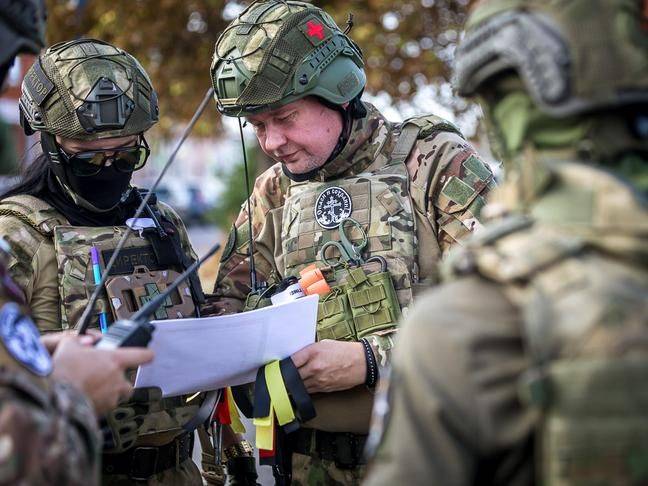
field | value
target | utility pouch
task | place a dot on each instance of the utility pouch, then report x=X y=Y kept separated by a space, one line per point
x=334 y=318
x=594 y=419
x=372 y=300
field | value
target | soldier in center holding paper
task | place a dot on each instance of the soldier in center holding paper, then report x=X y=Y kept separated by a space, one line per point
x=346 y=180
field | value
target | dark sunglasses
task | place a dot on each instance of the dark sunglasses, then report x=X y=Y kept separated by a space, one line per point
x=125 y=159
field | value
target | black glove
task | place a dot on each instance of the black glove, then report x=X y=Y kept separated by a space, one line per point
x=241 y=471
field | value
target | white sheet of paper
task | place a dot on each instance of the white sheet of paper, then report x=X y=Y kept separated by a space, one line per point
x=212 y=352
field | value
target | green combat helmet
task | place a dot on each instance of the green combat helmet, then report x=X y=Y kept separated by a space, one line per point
x=277 y=52
x=572 y=56
x=87 y=89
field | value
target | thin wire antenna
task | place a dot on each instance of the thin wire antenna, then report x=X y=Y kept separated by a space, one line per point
x=84 y=321
x=253 y=275
x=349 y=24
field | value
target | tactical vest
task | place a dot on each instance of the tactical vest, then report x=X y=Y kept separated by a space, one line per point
x=585 y=327
x=366 y=299
x=136 y=278
x=381 y=200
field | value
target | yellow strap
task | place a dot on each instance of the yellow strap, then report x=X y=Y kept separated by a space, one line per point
x=237 y=426
x=278 y=394
x=265 y=431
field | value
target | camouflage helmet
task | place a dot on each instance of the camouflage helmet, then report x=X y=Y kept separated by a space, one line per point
x=573 y=56
x=277 y=52
x=22 y=28
x=87 y=89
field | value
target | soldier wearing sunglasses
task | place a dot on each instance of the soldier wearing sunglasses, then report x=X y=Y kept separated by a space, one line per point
x=92 y=104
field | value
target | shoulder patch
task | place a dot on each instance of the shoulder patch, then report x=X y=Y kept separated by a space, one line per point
x=20 y=336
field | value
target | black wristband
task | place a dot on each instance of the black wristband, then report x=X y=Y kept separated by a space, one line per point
x=372 y=366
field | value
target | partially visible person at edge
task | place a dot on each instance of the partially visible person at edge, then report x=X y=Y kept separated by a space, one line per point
x=48 y=429
x=92 y=103
x=529 y=365
x=412 y=189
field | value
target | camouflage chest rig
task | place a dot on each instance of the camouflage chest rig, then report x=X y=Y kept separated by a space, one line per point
x=382 y=200
x=138 y=275
x=582 y=291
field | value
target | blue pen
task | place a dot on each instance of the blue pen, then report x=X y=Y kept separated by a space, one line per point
x=94 y=255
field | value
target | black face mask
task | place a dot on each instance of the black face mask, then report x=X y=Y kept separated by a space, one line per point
x=103 y=190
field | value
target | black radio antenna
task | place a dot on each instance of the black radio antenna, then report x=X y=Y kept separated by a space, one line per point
x=253 y=275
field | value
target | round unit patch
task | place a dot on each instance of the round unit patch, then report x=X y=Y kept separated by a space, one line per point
x=332 y=206
x=21 y=338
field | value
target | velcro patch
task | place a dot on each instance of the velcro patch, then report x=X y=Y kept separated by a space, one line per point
x=38 y=84
x=315 y=30
x=457 y=191
x=477 y=167
x=20 y=336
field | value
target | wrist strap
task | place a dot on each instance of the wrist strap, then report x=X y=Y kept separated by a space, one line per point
x=372 y=365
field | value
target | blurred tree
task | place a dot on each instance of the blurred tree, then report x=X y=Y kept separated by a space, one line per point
x=406 y=44
x=229 y=203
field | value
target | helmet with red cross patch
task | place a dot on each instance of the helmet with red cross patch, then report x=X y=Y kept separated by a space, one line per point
x=277 y=52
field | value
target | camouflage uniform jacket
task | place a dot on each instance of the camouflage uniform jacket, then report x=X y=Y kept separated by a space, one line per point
x=34 y=266
x=565 y=286
x=447 y=185
x=48 y=431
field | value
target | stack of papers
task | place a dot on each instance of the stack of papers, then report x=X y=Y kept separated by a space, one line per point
x=213 y=352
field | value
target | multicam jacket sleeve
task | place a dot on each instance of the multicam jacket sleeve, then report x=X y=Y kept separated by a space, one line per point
x=456 y=183
x=33 y=267
x=47 y=435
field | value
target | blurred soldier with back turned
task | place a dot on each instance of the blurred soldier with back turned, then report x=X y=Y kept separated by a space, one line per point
x=530 y=365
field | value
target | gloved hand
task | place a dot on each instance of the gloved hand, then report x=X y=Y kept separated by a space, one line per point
x=241 y=471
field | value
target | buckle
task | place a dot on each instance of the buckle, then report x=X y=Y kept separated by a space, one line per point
x=144 y=463
x=346 y=454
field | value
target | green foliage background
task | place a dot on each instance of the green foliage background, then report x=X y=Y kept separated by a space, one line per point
x=405 y=43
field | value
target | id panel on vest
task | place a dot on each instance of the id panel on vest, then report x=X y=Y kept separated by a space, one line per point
x=379 y=200
x=135 y=279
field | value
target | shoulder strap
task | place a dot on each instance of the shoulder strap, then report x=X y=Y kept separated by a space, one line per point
x=408 y=136
x=34 y=212
x=414 y=129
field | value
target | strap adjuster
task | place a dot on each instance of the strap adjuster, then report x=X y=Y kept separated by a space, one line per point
x=347 y=452
x=144 y=462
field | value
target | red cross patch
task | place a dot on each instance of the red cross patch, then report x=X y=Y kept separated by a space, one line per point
x=314 y=29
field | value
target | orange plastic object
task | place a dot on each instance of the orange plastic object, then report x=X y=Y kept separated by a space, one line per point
x=309 y=276
x=321 y=287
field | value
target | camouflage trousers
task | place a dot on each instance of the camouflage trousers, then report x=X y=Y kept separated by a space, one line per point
x=186 y=474
x=312 y=471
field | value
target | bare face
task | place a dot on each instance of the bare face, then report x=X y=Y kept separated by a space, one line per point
x=300 y=135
